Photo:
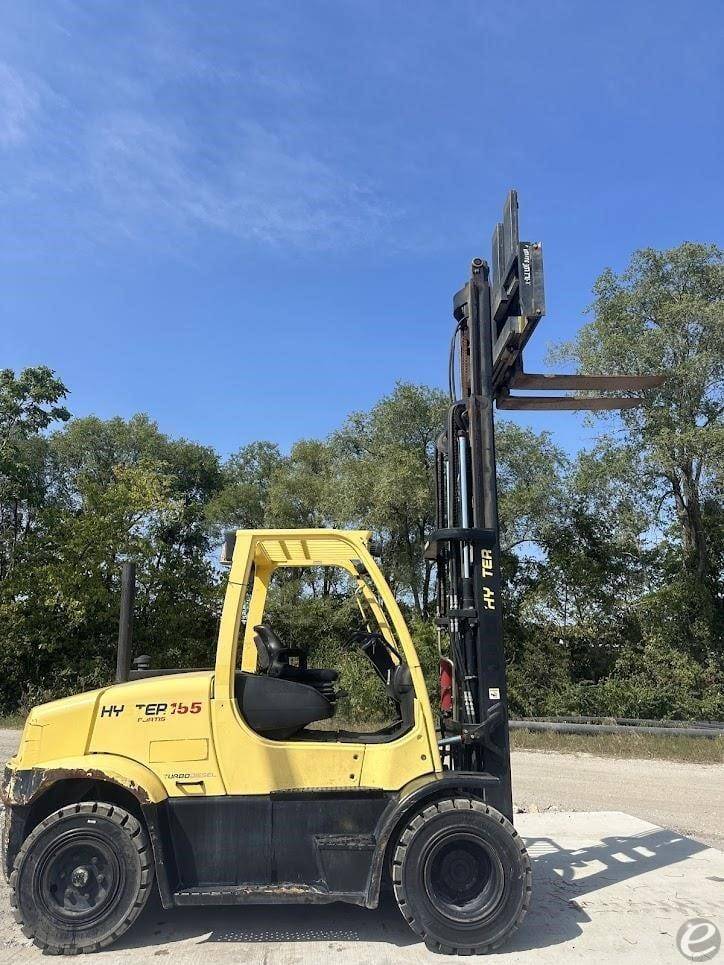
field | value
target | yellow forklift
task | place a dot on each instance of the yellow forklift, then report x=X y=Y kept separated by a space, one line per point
x=233 y=785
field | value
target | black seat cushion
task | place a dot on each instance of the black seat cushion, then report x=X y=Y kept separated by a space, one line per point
x=311 y=675
x=278 y=708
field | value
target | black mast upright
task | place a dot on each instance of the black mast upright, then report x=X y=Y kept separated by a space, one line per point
x=495 y=313
x=484 y=500
x=466 y=547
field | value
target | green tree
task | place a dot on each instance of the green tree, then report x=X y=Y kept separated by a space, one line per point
x=302 y=488
x=665 y=313
x=29 y=404
x=531 y=486
x=242 y=502
x=386 y=459
x=115 y=489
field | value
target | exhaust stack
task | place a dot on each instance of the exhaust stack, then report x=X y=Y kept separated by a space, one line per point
x=125 y=622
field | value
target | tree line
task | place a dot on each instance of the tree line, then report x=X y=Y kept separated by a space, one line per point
x=612 y=558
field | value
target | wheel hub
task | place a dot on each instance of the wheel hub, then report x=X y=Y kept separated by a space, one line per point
x=460 y=870
x=463 y=877
x=78 y=879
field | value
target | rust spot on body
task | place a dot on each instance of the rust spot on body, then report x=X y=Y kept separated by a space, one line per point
x=23 y=786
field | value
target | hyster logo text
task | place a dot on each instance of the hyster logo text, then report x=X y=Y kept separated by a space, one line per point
x=112 y=710
x=527 y=273
x=176 y=707
x=152 y=710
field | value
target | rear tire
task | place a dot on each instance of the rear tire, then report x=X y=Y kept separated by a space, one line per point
x=81 y=878
x=461 y=876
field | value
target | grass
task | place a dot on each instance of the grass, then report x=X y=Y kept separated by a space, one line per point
x=693 y=750
x=12 y=722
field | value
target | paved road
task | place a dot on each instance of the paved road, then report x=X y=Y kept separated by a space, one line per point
x=607 y=886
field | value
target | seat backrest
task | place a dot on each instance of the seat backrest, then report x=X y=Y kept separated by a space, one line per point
x=269 y=648
x=271 y=640
x=262 y=653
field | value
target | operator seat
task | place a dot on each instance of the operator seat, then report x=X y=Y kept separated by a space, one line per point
x=273 y=660
x=278 y=708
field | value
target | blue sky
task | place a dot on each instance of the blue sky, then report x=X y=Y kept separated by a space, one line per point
x=248 y=219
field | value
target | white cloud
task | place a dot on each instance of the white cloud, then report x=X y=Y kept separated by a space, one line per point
x=18 y=104
x=158 y=134
x=257 y=185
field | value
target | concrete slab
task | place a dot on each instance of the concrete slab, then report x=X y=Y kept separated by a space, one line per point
x=607 y=888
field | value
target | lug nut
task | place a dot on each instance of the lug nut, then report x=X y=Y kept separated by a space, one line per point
x=80 y=877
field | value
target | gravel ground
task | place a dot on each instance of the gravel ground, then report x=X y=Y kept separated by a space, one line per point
x=686 y=797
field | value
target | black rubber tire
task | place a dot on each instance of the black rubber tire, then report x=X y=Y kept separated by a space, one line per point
x=492 y=849
x=110 y=827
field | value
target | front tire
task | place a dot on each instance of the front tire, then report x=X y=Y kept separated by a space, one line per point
x=461 y=876
x=81 y=878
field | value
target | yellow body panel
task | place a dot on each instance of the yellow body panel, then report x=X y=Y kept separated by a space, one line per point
x=137 y=719
x=391 y=766
x=252 y=764
x=182 y=734
x=61 y=728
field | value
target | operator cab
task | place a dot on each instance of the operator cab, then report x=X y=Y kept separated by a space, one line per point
x=277 y=692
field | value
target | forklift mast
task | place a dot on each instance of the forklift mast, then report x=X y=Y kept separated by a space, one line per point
x=495 y=314
x=466 y=547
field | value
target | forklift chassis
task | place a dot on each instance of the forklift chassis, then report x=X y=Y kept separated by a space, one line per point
x=212 y=783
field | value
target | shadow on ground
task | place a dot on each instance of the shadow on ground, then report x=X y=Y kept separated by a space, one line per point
x=561 y=877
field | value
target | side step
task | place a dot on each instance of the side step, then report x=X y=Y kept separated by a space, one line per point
x=251 y=894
